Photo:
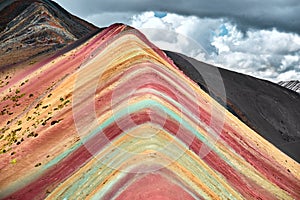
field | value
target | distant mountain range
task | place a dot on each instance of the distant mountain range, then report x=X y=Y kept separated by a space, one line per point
x=68 y=133
x=292 y=85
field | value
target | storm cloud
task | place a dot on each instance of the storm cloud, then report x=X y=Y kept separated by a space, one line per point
x=257 y=14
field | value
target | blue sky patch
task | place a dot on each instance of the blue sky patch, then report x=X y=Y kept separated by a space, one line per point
x=160 y=14
x=223 y=30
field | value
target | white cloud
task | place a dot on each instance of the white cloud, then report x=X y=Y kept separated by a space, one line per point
x=189 y=35
x=267 y=54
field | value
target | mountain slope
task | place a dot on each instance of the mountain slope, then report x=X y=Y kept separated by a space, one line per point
x=112 y=117
x=115 y=118
x=271 y=110
x=45 y=33
x=36 y=27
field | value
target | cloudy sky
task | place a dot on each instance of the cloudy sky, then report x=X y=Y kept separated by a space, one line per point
x=256 y=37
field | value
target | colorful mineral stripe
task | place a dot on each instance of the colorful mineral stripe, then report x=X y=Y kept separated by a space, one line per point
x=115 y=119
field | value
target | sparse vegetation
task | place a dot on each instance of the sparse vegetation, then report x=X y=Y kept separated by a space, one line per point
x=44 y=107
x=13 y=161
x=32 y=62
x=38 y=164
x=30 y=135
x=41 y=115
x=55 y=122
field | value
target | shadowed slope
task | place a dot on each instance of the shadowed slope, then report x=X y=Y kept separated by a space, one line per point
x=271 y=110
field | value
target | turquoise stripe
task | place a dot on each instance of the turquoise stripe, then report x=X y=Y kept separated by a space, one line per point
x=130 y=109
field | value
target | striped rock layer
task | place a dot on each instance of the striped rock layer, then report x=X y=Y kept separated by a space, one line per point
x=115 y=119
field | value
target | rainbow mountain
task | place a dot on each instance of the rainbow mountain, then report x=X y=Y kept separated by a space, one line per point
x=114 y=117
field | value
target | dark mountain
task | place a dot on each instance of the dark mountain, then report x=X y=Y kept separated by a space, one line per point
x=269 y=109
x=36 y=27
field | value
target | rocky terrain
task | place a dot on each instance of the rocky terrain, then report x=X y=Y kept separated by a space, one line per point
x=90 y=113
x=32 y=28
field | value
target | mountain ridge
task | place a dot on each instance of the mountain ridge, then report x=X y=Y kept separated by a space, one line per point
x=266 y=107
x=36 y=27
x=84 y=130
x=234 y=103
x=110 y=115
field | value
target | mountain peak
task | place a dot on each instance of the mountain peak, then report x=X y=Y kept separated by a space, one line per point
x=117 y=108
